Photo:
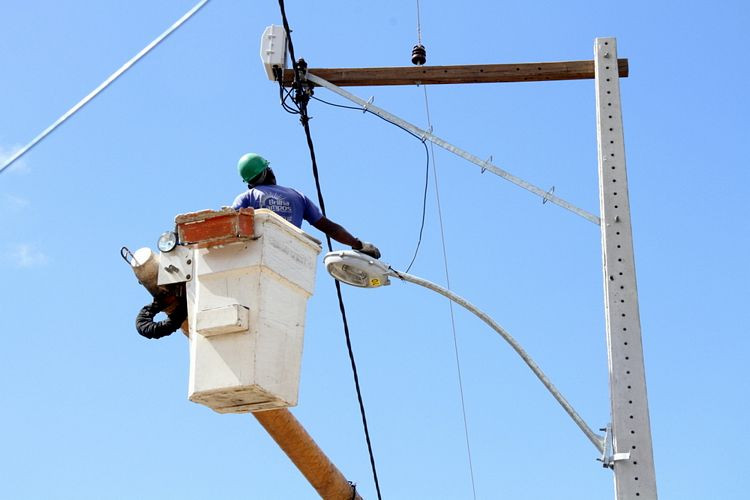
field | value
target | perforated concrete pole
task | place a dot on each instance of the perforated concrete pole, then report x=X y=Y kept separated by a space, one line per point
x=302 y=450
x=632 y=455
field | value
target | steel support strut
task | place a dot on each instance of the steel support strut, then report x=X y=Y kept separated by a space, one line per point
x=428 y=136
x=632 y=455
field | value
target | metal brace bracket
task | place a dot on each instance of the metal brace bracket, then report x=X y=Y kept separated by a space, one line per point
x=175 y=266
x=546 y=196
x=609 y=456
x=427 y=134
x=419 y=132
x=488 y=161
x=367 y=104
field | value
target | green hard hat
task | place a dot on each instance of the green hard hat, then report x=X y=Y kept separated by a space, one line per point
x=250 y=165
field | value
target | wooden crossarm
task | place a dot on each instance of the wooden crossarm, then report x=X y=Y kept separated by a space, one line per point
x=478 y=73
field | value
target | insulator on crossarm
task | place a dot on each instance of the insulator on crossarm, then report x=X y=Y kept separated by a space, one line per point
x=418 y=55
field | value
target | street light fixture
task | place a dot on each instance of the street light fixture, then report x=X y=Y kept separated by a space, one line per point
x=357 y=269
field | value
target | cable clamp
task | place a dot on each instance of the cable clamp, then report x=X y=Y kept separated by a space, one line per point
x=428 y=132
x=301 y=74
x=367 y=104
x=609 y=457
x=545 y=199
x=487 y=162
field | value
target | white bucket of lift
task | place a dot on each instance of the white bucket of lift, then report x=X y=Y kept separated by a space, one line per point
x=246 y=306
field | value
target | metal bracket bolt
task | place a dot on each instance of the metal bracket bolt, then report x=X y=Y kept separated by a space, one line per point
x=488 y=161
x=609 y=457
x=546 y=199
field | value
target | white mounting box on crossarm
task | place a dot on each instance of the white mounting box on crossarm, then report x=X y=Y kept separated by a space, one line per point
x=273 y=49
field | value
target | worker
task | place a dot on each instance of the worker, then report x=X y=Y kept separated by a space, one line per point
x=263 y=192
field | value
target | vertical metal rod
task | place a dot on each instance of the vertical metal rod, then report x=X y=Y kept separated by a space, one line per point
x=633 y=455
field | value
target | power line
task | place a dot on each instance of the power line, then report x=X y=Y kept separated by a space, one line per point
x=419 y=25
x=424 y=207
x=450 y=303
x=301 y=97
x=427 y=169
x=419 y=58
x=114 y=76
x=445 y=255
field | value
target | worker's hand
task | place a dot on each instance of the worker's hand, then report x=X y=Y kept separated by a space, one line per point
x=369 y=249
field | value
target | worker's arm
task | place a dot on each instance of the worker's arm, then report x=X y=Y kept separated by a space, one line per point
x=341 y=235
x=337 y=232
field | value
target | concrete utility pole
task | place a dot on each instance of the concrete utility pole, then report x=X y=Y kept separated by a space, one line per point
x=628 y=441
x=631 y=454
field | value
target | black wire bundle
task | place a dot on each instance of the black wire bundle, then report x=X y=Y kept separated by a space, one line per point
x=300 y=94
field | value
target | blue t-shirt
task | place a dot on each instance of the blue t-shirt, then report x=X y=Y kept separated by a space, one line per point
x=285 y=202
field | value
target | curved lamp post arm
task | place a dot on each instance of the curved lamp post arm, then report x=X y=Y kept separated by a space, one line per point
x=597 y=440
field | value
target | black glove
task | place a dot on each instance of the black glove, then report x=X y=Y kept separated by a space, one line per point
x=369 y=249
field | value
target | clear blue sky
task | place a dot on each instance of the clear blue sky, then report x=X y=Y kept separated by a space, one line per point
x=91 y=410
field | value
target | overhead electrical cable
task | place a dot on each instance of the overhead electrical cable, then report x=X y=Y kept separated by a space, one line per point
x=419 y=25
x=445 y=258
x=301 y=97
x=450 y=303
x=427 y=169
x=114 y=76
x=419 y=58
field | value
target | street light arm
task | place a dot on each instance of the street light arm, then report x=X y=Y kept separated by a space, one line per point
x=597 y=440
